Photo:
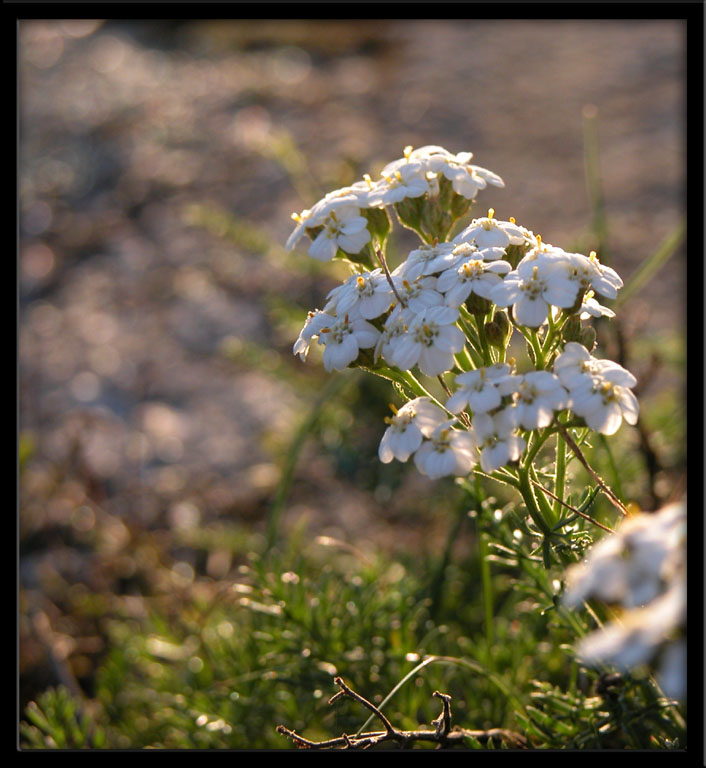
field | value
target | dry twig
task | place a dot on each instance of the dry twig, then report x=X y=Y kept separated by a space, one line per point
x=443 y=735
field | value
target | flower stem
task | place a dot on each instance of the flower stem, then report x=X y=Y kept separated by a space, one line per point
x=560 y=473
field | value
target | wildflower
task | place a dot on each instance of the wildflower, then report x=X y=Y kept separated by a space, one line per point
x=368 y=294
x=471 y=276
x=577 y=368
x=419 y=294
x=430 y=342
x=478 y=389
x=426 y=260
x=532 y=289
x=344 y=228
x=344 y=338
x=591 y=308
x=603 y=398
x=537 y=395
x=489 y=232
x=496 y=438
x=631 y=566
x=447 y=452
x=315 y=321
x=466 y=179
x=407 y=180
x=589 y=273
x=410 y=424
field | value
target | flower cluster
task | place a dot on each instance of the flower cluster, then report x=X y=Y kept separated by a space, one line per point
x=450 y=309
x=640 y=568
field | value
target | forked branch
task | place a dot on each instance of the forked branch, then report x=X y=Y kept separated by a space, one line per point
x=443 y=735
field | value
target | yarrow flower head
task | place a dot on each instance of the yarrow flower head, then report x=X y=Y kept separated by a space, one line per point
x=478 y=389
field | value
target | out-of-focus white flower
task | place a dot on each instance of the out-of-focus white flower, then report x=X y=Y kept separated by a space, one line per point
x=344 y=338
x=537 y=395
x=496 y=438
x=447 y=452
x=415 y=420
x=631 y=566
x=343 y=228
x=642 y=568
x=471 y=276
x=430 y=342
x=368 y=294
x=478 y=389
x=489 y=232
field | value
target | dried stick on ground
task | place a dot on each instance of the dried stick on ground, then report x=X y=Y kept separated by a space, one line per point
x=443 y=735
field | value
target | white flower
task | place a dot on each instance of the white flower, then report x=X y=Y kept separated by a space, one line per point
x=466 y=179
x=471 y=276
x=315 y=321
x=344 y=338
x=426 y=260
x=416 y=419
x=419 y=294
x=368 y=294
x=577 y=369
x=531 y=289
x=396 y=326
x=603 y=403
x=343 y=228
x=591 y=308
x=478 y=389
x=537 y=395
x=589 y=273
x=355 y=196
x=496 y=438
x=447 y=452
x=409 y=179
x=489 y=232
x=430 y=342
x=631 y=566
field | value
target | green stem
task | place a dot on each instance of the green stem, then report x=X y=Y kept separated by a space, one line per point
x=531 y=502
x=487 y=356
x=485 y=573
x=560 y=473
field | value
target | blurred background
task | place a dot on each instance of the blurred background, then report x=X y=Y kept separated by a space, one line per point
x=165 y=428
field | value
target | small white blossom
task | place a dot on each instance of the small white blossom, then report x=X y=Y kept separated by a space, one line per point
x=447 y=452
x=426 y=260
x=589 y=273
x=537 y=395
x=415 y=420
x=466 y=179
x=577 y=368
x=430 y=342
x=496 y=438
x=532 y=289
x=315 y=321
x=591 y=308
x=343 y=228
x=368 y=294
x=344 y=338
x=478 y=389
x=489 y=232
x=407 y=180
x=419 y=294
x=471 y=276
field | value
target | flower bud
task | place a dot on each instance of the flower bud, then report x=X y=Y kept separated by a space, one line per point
x=498 y=330
x=572 y=329
x=409 y=212
x=477 y=305
x=378 y=223
x=588 y=338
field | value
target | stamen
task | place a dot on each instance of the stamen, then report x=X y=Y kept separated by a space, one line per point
x=491 y=213
x=367 y=179
x=360 y=281
x=296 y=217
x=407 y=151
x=512 y=220
x=393 y=408
x=539 y=239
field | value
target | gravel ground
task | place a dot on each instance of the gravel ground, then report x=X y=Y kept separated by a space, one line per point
x=139 y=422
